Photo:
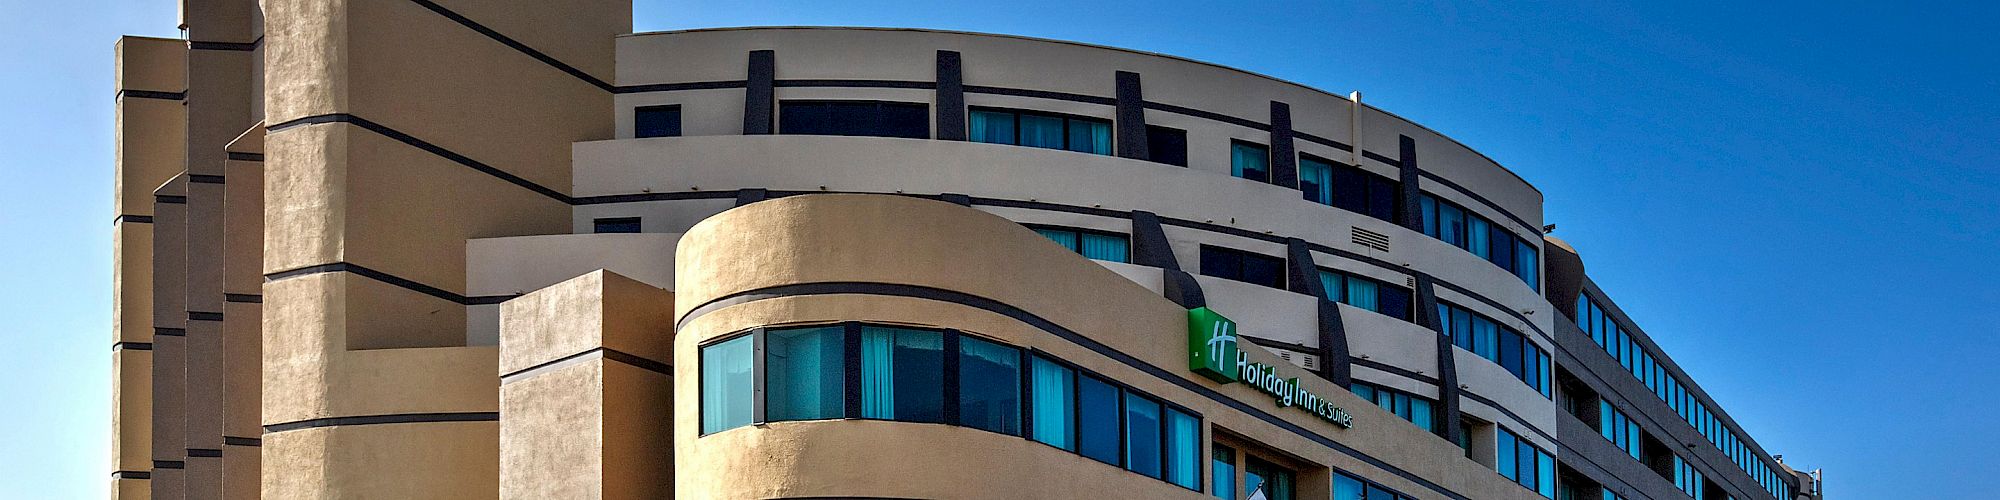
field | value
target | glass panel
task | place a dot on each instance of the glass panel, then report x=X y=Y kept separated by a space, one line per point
x=1041 y=131
x=1485 y=338
x=1316 y=181
x=1375 y=492
x=1382 y=196
x=989 y=386
x=1362 y=293
x=1264 y=270
x=1510 y=354
x=1477 y=234
x=805 y=374
x=992 y=127
x=1266 y=481
x=1222 y=470
x=1346 y=487
x=1142 y=435
x=1331 y=282
x=1055 y=403
x=726 y=382
x=1105 y=247
x=1506 y=455
x=1090 y=136
x=900 y=374
x=1183 y=449
x=1097 y=419
x=1525 y=264
x=1503 y=248
x=656 y=121
x=1451 y=225
x=1526 y=461
x=1350 y=189
x=1166 y=145
x=1430 y=215
x=1420 y=414
x=1249 y=161
x=1395 y=301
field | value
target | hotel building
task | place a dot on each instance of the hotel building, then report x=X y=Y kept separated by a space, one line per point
x=473 y=249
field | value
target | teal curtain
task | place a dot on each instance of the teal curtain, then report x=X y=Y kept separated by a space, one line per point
x=1331 y=282
x=1090 y=136
x=1363 y=294
x=1065 y=238
x=1478 y=233
x=1054 y=406
x=1429 y=206
x=1183 y=447
x=1105 y=247
x=991 y=126
x=1420 y=414
x=1316 y=180
x=1222 y=467
x=878 y=378
x=803 y=374
x=1525 y=261
x=1249 y=162
x=1451 y=225
x=726 y=392
x=1485 y=336
x=1041 y=131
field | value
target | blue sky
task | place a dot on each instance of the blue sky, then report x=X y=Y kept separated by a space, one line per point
x=1799 y=200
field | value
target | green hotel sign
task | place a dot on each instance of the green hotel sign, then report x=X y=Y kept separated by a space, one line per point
x=1213 y=353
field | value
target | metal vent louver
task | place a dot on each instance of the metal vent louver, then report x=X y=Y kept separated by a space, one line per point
x=1303 y=360
x=1369 y=239
x=1410 y=281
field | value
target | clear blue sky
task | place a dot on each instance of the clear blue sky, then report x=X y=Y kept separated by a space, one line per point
x=1797 y=200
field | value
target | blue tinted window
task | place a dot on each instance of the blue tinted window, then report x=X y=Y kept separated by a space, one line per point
x=656 y=121
x=1183 y=449
x=1316 y=181
x=1242 y=266
x=615 y=225
x=858 y=118
x=1222 y=468
x=1250 y=161
x=726 y=385
x=989 y=386
x=899 y=374
x=1142 y=435
x=804 y=373
x=1097 y=419
x=1054 y=409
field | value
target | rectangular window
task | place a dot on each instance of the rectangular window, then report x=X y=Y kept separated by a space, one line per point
x=1228 y=263
x=1099 y=245
x=1418 y=410
x=1142 y=435
x=1166 y=145
x=899 y=374
x=989 y=386
x=656 y=121
x=855 y=118
x=1266 y=480
x=615 y=225
x=804 y=373
x=1316 y=180
x=1250 y=161
x=1041 y=130
x=1054 y=390
x=1097 y=419
x=1183 y=449
x=1462 y=228
x=726 y=385
x=1222 y=468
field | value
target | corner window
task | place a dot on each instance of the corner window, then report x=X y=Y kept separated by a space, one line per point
x=1462 y=228
x=726 y=384
x=656 y=121
x=1166 y=145
x=855 y=118
x=1097 y=245
x=804 y=372
x=1250 y=161
x=1229 y=263
x=615 y=225
x=1040 y=130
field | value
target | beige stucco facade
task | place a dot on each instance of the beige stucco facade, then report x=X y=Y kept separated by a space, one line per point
x=424 y=249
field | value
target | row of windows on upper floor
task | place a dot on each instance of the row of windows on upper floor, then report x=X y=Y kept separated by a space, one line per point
x=1625 y=433
x=1616 y=341
x=1321 y=181
x=942 y=376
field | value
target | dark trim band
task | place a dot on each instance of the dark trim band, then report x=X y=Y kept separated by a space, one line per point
x=1482 y=200
x=132 y=474
x=256 y=157
x=400 y=282
x=132 y=218
x=1509 y=413
x=227 y=46
x=204 y=179
x=241 y=441
x=149 y=94
x=169 y=464
x=523 y=48
x=203 y=453
x=671 y=87
x=204 y=316
x=169 y=332
x=136 y=346
x=1041 y=94
x=243 y=298
x=426 y=146
x=1023 y=316
x=405 y=418
x=606 y=352
x=1396 y=370
x=171 y=199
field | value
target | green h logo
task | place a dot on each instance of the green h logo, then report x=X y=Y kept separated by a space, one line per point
x=1212 y=345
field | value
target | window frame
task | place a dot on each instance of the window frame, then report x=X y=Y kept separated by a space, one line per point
x=679 y=128
x=930 y=132
x=1080 y=232
x=1236 y=170
x=1109 y=123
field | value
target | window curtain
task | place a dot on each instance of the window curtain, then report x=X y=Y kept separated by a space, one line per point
x=1420 y=414
x=1142 y=435
x=803 y=374
x=1525 y=261
x=1105 y=247
x=1485 y=336
x=878 y=380
x=1041 y=131
x=1183 y=445
x=1429 y=207
x=1249 y=162
x=1065 y=238
x=1451 y=225
x=1316 y=180
x=1090 y=137
x=726 y=390
x=1478 y=234
x=1330 y=281
x=992 y=127
x=1362 y=293
x=1054 y=403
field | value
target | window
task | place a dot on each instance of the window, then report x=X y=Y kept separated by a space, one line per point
x=1366 y=293
x=1250 y=161
x=1097 y=419
x=1183 y=449
x=899 y=374
x=989 y=386
x=1041 y=130
x=1524 y=463
x=859 y=118
x=1266 y=480
x=1510 y=349
x=1418 y=410
x=615 y=225
x=1348 y=188
x=805 y=373
x=656 y=121
x=1462 y=228
x=1142 y=435
x=726 y=385
x=1054 y=410
x=1619 y=429
x=1166 y=145
x=1099 y=245
x=1228 y=263
x=1222 y=467
x=1687 y=479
